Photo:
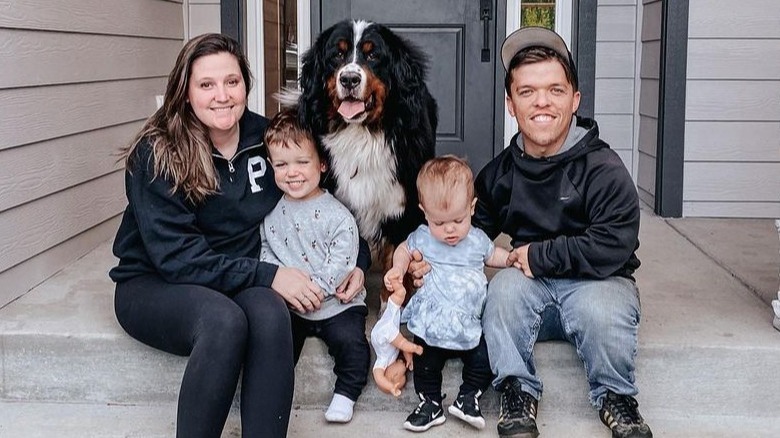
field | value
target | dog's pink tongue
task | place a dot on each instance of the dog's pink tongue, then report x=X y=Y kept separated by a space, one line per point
x=350 y=108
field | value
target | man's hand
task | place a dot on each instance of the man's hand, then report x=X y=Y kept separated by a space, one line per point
x=351 y=286
x=300 y=292
x=418 y=268
x=518 y=258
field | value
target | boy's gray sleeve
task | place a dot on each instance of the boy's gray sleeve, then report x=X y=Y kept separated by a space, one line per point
x=340 y=256
x=266 y=253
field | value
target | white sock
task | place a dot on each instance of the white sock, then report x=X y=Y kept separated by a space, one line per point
x=340 y=409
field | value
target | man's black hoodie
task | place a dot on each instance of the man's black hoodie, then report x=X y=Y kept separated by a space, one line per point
x=578 y=209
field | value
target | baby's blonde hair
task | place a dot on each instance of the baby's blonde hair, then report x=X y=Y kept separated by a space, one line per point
x=441 y=178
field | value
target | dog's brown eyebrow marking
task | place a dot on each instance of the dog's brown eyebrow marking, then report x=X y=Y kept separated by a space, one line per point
x=343 y=45
x=367 y=46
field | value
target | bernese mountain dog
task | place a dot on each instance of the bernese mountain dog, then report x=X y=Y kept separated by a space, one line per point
x=363 y=96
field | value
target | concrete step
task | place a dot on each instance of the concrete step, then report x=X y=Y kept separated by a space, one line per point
x=92 y=420
x=708 y=354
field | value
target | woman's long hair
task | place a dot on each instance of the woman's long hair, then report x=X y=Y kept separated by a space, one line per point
x=181 y=147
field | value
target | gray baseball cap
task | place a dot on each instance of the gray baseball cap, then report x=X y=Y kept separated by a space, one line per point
x=533 y=36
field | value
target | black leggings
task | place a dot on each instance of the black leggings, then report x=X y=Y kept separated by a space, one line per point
x=220 y=334
x=345 y=336
x=427 y=375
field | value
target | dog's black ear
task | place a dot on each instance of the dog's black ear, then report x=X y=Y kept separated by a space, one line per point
x=312 y=80
x=407 y=63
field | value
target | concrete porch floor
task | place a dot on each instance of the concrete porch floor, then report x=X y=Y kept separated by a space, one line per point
x=707 y=360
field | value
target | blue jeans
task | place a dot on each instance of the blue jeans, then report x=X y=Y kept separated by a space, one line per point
x=600 y=317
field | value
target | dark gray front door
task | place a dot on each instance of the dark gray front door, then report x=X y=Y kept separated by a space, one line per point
x=452 y=34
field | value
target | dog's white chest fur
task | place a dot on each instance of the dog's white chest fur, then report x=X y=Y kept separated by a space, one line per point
x=364 y=168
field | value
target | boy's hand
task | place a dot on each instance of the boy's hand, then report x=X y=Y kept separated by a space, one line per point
x=351 y=286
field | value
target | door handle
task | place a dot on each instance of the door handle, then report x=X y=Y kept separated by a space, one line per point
x=485 y=15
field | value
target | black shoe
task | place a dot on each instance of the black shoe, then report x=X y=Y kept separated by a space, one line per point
x=518 y=411
x=466 y=407
x=620 y=414
x=426 y=415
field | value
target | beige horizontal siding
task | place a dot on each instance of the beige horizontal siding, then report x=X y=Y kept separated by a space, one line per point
x=614 y=96
x=47 y=58
x=733 y=100
x=740 y=59
x=34 y=270
x=647 y=107
x=50 y=220
x=616 y=23
x=50 y=112
x=204 y=17
x=732 y=141
x=732 y=209
x=731 y=181
x=32 y=172
x=83 y=79
x=730 y=19
x=150 y=18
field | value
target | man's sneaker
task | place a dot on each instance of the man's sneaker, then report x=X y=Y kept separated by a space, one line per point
x=466 y=407
x=426 y=415
x=517 y=418
x=620 y=413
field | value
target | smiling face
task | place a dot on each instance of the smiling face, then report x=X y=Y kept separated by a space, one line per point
x=217 y=94
x=297 y=169
x=542 y=101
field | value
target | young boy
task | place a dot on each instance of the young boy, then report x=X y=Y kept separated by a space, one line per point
x=312 y=231
x=445 y=315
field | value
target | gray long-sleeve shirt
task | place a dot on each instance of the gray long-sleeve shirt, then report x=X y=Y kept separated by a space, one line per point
x=318 y=236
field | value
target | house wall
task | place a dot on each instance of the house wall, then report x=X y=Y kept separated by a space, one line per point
x=647 y=114
x=79 y=77
x=615 y=76
x=732 y=129
x=204 y=17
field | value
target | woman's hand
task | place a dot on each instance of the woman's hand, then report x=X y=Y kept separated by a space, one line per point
x=300 y=292
x=418 y=268
x=351 y=285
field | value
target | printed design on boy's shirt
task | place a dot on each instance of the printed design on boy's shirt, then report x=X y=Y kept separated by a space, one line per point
x=272 y=229
x=284 y=210
x=331 y=281
x=286 y=242
x=297 y=227
x=305 y=257
x=316 y=214
x=313 y=244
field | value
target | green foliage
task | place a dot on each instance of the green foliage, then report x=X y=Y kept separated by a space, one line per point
x=538 y=13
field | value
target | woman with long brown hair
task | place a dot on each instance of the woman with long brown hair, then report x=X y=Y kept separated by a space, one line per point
x=189 y=281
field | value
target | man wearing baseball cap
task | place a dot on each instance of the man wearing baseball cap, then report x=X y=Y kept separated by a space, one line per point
x=572 y=211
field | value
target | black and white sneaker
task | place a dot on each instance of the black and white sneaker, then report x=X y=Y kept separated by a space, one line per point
x=426 y=415
x=620 y=413
x=466 y=407
x=517 y=418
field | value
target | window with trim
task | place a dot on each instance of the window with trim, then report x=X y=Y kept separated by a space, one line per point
x=538 y=13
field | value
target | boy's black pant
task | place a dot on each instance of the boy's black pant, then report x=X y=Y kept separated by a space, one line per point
x=476 y=373
x=345 y=336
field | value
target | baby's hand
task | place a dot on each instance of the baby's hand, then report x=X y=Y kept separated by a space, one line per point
x=393 y=277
